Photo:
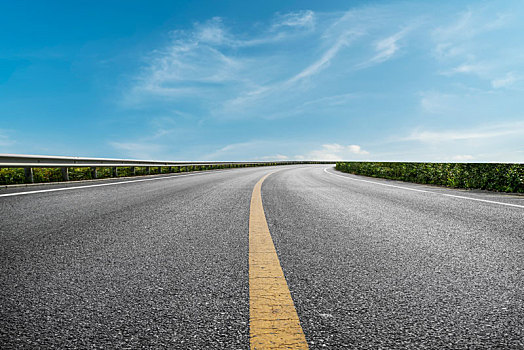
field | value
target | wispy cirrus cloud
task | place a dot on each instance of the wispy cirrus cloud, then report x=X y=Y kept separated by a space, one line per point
x=464 y=45
x=335 y=100
x=270 y=91
x=299 y=19
x=323 y=62
x=258 y=73
x=467 y=26
x=484 y=133
x=208 y=62
x=385 y=48
x=437 y=78
x=459 y=144
x=308 y=67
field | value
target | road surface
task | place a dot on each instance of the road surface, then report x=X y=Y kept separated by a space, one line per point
x=165 y=263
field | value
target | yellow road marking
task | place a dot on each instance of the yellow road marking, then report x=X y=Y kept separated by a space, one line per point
x=273 y=320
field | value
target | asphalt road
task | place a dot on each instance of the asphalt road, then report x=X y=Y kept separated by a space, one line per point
x=163 y=263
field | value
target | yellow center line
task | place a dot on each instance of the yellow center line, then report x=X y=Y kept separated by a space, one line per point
x=273 y=319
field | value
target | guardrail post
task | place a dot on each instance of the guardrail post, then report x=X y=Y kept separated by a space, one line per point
x=148 y=170
x=94 y=173
x=28 y=172
x=65 y=173
x=115 y=171
x=133 y=170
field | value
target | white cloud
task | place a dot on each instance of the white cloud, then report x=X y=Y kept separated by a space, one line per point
x=466 y=68
x=335 y=151
x=275 y=157
x=462 y=157
x=254 y=148
x=508 y=80
x=355 y=149
x=493 y=72
x=212 y=32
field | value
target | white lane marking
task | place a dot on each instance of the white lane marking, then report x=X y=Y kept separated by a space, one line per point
x=108 y=184
x=417 y=190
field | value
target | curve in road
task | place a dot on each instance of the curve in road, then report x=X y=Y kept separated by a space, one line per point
x=165 y=264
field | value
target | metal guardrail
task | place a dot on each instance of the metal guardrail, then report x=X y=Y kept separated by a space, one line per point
x=28 y=162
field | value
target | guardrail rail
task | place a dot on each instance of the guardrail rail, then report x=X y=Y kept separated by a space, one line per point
x=28 y=162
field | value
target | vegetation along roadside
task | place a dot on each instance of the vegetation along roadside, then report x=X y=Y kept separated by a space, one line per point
x=503 y=177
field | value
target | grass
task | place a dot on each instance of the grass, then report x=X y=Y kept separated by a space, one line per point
x=503 y=177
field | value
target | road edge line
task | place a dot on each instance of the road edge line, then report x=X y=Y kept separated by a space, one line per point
x=174 y=175
x=425 y=191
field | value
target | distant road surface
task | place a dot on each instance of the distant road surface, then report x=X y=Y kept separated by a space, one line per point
x=165 y=263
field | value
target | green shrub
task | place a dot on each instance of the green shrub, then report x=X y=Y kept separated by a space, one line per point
x=12 y=176
x=17 y=176
x=487 y=176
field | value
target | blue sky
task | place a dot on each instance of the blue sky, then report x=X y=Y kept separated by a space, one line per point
x=242 y=80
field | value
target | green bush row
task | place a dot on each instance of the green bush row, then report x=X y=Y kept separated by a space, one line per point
x=10 y=176
x=502 y=177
